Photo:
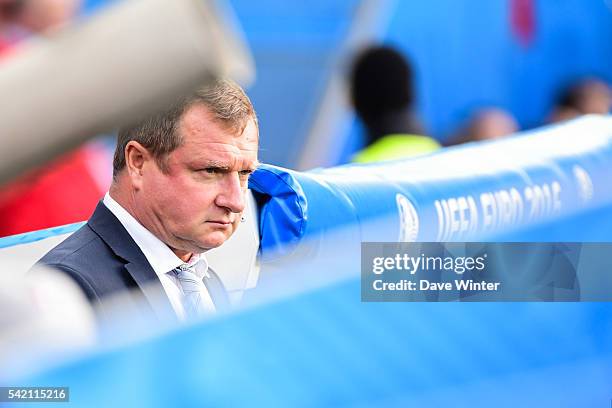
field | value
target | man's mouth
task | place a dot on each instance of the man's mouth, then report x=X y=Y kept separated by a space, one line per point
x=220 y=222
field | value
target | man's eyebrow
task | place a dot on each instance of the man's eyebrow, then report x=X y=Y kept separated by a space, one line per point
x=216 y=164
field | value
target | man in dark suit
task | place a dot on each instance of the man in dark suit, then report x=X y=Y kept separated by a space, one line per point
x=179 y=185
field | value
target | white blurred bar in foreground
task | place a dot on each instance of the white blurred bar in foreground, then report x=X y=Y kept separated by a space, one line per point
x=130 y=60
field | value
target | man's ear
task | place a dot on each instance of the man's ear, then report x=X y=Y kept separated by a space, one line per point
x=136 y=157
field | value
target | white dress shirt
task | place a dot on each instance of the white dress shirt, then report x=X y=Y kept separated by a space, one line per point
x=161 y=258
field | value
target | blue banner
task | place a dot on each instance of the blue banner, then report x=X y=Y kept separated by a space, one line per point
x=476 y=192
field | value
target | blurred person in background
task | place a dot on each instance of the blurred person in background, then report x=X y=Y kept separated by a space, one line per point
x=486 y=124
x=37 y=16
x=179 y=184
x=382 y=93
x=67 y=189
x=589 y=96
x=19 y=19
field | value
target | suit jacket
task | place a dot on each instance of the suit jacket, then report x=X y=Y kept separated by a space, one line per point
x=103 y=259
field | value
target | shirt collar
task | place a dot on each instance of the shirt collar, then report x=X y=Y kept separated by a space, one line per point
x=158 y=254
x=198 y=264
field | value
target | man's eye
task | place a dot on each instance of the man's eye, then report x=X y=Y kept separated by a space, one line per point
x=246 y=173
x=212 y=170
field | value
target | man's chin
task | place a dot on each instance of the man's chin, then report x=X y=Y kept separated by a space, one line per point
x=214 y=241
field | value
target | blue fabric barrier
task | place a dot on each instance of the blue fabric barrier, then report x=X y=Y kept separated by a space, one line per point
x=34 y=236
x=474 y=192
x=327 y=349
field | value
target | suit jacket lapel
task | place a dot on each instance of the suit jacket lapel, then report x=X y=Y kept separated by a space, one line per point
x=111 y=231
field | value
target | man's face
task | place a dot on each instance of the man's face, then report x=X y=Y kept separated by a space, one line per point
x=197 y=204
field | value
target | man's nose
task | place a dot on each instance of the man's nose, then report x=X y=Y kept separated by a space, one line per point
x=231 y=194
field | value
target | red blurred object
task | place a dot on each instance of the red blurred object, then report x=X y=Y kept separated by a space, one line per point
x=522 y=20
x=62 y=192
x=4 y=46
x=7 y=48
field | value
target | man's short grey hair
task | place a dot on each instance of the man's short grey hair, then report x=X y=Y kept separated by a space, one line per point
x=225 y=99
